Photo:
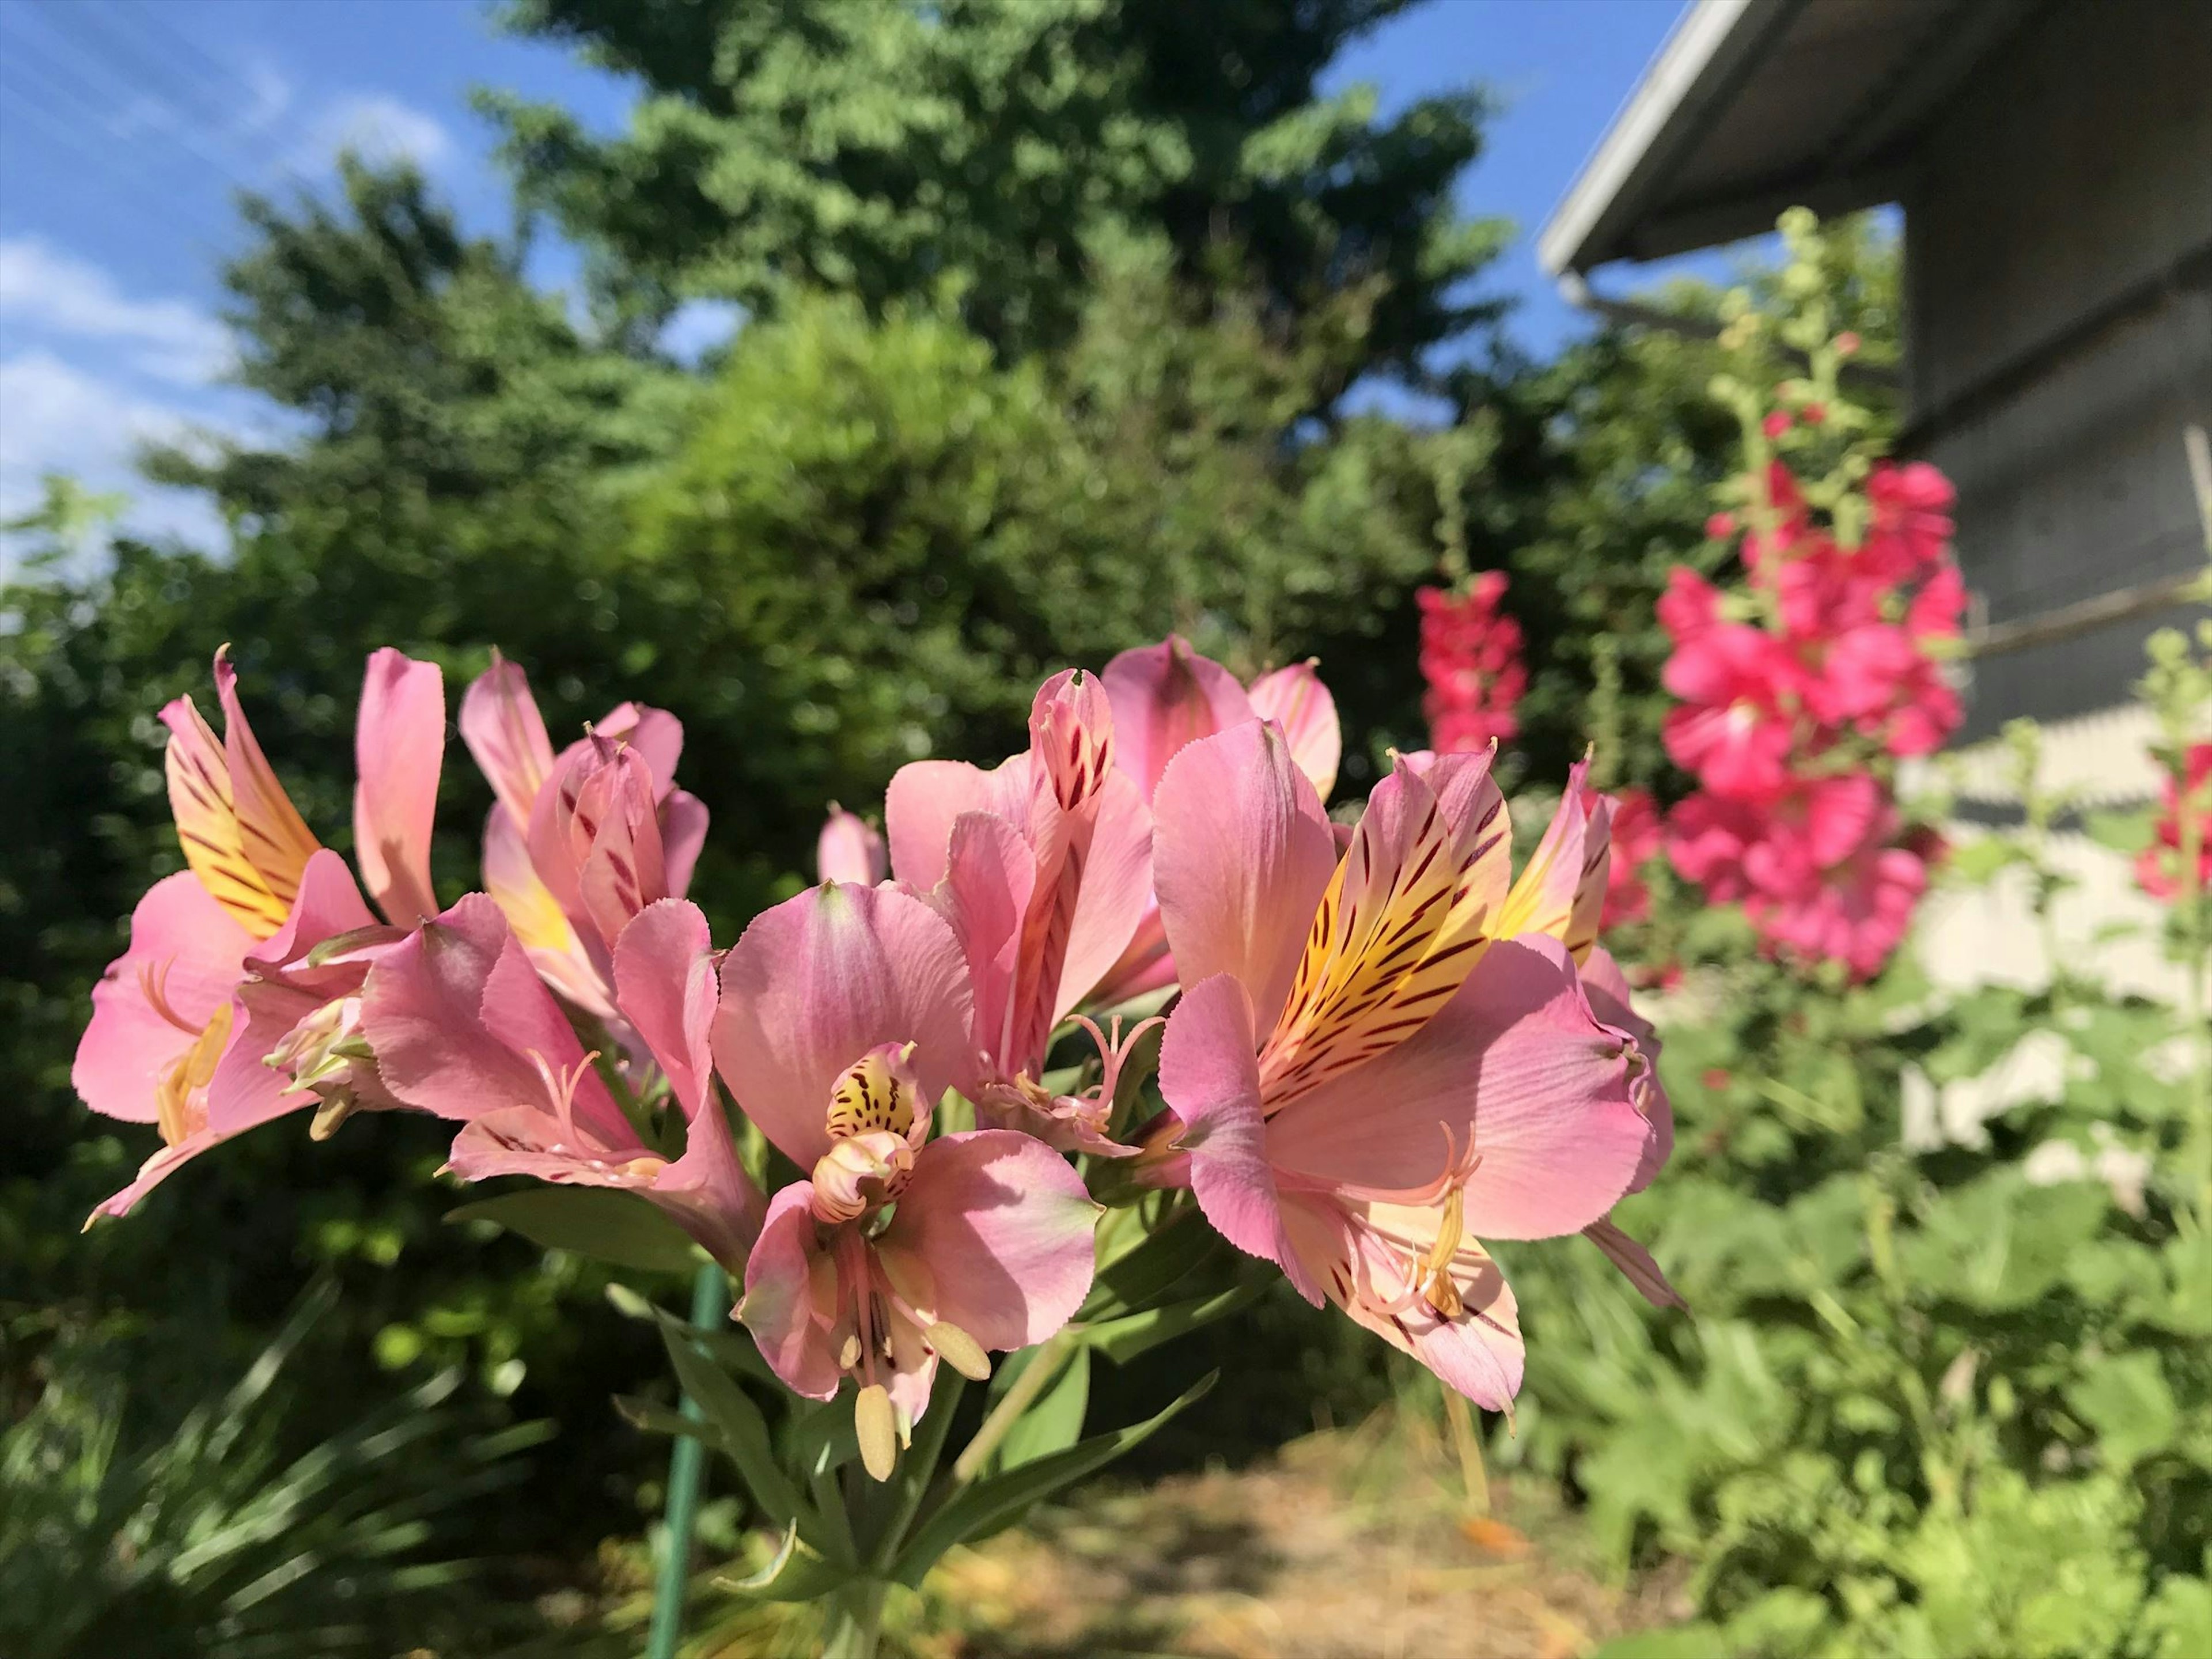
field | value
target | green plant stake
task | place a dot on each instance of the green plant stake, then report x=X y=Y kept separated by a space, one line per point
x=710 y=1300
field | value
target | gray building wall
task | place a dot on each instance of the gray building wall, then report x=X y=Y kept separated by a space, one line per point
x=2071 y=177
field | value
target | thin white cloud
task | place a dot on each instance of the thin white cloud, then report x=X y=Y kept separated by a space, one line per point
x=45 y=291
x=58 y=418
x=269 y=95
x=376 y=127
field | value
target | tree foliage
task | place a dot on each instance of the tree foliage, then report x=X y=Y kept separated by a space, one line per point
x=882 y=149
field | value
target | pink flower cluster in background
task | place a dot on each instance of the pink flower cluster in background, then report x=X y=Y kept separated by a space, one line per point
x=1797 y=696
x=1471 y=659
x=2160 y=867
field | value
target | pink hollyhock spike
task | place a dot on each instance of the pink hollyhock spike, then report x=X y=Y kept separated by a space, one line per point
x=1636 y=833
x=1733 y=731
x=1042 y=868
x=399 y=744
x=1471 y=659
x=845 y=1012
x=2159 y=868
x=850 y=849
x=1360 y=1037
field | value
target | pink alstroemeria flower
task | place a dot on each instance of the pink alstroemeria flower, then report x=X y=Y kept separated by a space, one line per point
x=172 y=1040
x=850 y=849
x=462 y=1026
x=1166 y=696
x=1562 y=894
x=1369 y=1075
x=1042 y=866
x=845 y=1016
x=534 y=871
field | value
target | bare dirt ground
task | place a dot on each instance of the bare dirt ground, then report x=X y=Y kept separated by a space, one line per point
x=1352 y=1545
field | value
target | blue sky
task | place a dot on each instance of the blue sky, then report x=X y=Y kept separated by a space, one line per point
x=127 y=125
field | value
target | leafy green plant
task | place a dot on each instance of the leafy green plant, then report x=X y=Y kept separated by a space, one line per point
x=1948 y=1389
x=219 y=1534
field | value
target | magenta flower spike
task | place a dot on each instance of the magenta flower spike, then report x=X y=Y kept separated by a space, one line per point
x=845 y=1016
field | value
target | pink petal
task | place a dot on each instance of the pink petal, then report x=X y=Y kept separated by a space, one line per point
x=1241 y=852
x=817 y=981
x=505 y=732
x=154 y=1171
x=1116 y=885
x=850 y=849
x=1296 y=700
x=537 y=920
x=454 y=1013
x=1517 y=1060
x=654 y=734
x=1556 y=1126
x=990 y=878
x=1210 y=1074
x=194 y=955
x=707 y=1191
x=1610 y=1001
x=243 y=1092
x=1633 y=1260
x=1165 y=696
x=399 y=746
x=1004 y=1225
x=665 y=985
x=682 y=837
x=926 y=797
x=1480 y=1353
x=778 y=1307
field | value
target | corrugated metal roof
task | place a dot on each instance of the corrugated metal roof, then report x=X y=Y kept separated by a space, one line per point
x=1752 y=105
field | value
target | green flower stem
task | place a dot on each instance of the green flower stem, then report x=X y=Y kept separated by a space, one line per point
x=916 y=1468
x=1017 y=1399
x=853 y=1620
x=710 y=1300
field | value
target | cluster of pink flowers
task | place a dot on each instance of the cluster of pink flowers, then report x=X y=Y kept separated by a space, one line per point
x=1381 y=1049
x=2161 y=868
x=1796 y=697
x=1471 y=660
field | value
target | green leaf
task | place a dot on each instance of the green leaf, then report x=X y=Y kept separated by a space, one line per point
x=743 y=1430
x=797 y=1572
x=1053 y=1421
x=2124 y=832
x=1123 y=1340
x=1978 y=859
x=1162 y=1259
x=1002 y=1499
x=2126 y=1400
x=618 y=1228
